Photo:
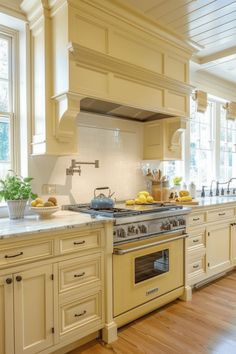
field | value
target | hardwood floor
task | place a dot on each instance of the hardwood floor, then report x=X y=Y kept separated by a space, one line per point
x=206 y=325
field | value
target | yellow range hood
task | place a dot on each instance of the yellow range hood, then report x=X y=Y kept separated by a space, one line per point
x=92 y=105
x=98 y=56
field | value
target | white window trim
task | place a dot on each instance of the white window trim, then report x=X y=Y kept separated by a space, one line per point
x=14 y=115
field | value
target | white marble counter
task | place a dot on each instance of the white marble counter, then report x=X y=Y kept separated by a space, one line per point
x=214 y=201
x=61 y=220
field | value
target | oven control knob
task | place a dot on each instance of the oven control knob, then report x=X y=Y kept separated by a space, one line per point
x=121 y=232
x=182 y=222
x=143 y=229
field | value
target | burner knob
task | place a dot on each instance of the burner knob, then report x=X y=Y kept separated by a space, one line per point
x=182 y=222
x=143 y=229
x=121 y=232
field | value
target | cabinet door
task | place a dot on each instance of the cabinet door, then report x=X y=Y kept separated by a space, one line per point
x=33 y=310
x=218 y=248
x=6 y=315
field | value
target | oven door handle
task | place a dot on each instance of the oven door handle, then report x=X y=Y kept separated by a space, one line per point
x=119 y=251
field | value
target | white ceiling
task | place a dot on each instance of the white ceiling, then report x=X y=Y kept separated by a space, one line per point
x=210 y=25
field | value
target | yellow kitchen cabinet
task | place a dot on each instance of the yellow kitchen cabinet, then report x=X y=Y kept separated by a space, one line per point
x=211 y=246
x=162 y=139
x=26 y=305
x=59 y=295
x=218 y=248
x=233 y=243
x=6 y=315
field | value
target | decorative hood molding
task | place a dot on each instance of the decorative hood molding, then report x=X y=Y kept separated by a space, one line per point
x=97 y=56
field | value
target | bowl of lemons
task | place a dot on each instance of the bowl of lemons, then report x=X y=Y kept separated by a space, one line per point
x=44 y=209
x=143 y=197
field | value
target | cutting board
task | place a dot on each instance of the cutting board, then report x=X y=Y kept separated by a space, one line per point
x=193 y=202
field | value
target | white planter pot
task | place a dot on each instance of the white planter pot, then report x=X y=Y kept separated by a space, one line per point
x=16 y=208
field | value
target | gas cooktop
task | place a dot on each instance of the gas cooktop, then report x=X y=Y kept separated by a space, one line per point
x=119 y=212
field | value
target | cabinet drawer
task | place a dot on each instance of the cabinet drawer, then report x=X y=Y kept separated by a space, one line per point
x=80 y=241
x=196 y=219
x=197 y=239
x=25 y=252
x=216 y=215
x=80 y=271
x=78 y=314
x=196 y=266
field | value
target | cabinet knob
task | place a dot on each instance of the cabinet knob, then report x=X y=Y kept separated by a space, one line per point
x=18 y=278
x=9 y=280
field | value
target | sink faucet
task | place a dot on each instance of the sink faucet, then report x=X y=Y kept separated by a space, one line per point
x=230 y=180
x=211 y=191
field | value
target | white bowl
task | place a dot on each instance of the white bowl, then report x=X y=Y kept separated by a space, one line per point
x=45 y=212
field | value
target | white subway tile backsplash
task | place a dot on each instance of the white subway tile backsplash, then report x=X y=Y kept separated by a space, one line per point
x=116 y=143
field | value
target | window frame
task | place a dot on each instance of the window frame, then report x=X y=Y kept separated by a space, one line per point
x=14 y=109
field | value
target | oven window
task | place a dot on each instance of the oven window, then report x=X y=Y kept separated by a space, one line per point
x=151 y=265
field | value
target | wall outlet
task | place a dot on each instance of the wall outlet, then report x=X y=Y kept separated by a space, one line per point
x=49 y=189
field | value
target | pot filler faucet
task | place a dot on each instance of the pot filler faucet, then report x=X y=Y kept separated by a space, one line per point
x=75 y=166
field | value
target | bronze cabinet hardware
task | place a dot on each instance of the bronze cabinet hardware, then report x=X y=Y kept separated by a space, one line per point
x=9 y=280
x=18 y=278
x=79 y=243
x=221 y=214
x=196 y=219
x=80 y=314
x=14 y=255
x=79 y=275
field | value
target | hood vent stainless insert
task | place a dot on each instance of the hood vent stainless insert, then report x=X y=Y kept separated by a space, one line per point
x=120 y=111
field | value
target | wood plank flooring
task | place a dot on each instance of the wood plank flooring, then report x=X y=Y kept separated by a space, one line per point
x=206 y=325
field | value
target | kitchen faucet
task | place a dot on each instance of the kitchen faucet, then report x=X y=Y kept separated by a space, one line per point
x=230 y=180
x=211 y=191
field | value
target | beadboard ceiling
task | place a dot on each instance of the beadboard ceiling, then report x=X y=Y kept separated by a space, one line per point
x=210 y=25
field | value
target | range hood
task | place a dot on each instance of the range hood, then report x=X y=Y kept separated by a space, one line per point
x=92 y=105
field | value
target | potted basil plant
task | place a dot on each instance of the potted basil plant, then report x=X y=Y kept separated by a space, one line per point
x=16 y=191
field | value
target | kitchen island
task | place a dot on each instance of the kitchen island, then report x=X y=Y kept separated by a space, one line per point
x=55 y=282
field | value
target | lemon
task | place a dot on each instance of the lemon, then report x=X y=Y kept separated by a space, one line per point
x=150 y=199
x=145 y=193
x=38 y=201
x=33 y=203
x=142 y=198
x=130 y=202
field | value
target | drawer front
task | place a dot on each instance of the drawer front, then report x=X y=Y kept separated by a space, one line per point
x=216 y=215
x=197 y=239
x=196 y=219
x=77 y=314
x=81 y=241
x=80 y=271
x=196 y=266
x=11 y=255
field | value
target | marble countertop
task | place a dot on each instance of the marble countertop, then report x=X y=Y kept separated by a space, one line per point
x=214 y=201
x=61 y=220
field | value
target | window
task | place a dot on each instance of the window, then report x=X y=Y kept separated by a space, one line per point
x=6 y=105
x=201 y=150
x=227 y=168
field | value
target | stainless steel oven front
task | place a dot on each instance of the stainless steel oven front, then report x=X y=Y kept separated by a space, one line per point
x=146 y=269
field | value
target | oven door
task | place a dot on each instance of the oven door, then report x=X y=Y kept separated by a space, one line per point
x=144 y=270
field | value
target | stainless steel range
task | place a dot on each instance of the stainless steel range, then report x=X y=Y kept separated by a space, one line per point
x=148 y=256
x=140 y=221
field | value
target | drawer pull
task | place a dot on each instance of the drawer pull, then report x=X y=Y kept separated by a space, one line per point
x=81 y=314
x=196 y=240
x=196 y=219
x=196 y=266
x=221 y=214
x=18 y=278
x=79 y=275
x=14 y=255
x=9 y=280
x=79 y=243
